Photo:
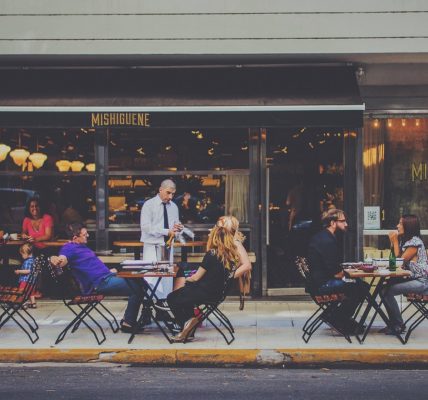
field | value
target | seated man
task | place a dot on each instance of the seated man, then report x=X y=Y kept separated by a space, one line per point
x=325 y=273
x=93 y=275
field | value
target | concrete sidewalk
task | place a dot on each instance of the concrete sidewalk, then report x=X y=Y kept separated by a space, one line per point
x=268 y=333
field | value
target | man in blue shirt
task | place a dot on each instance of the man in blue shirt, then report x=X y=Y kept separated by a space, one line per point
x=92 y=274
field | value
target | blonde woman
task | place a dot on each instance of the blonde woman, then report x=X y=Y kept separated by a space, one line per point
x=207 y=284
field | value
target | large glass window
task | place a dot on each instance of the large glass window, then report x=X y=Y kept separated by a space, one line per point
x=55 y=165
x=395 y=158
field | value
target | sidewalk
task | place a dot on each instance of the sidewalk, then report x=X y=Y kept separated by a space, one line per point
x=268 y=333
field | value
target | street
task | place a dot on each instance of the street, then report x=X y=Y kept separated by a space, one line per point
x=111 y=381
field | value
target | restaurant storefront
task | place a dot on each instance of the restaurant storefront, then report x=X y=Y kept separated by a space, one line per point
x=272 y=146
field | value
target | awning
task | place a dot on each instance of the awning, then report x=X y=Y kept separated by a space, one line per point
x=183 y=97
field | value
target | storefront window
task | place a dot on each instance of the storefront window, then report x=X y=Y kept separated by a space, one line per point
x=201 y=199
x=178 y=149
x=55 y=165
x=395 y=158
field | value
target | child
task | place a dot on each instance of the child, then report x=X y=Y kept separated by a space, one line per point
x=26 y=251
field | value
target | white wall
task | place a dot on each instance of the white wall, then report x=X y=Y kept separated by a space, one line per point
x=174 y=27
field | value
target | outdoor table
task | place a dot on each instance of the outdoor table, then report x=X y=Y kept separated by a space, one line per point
x=137 y=247
x=375 y=299
x=147 y=294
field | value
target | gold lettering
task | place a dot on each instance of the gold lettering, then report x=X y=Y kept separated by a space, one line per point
x=417 y=172
x=95 y=119
x=110 y=119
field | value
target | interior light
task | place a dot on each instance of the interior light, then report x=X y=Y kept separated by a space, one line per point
x=417 y=122
x=90 y=167
x=376 y=123
x=19 y=156
x=4 y=151
x=63 y=165
x=389 y=123
x=38 y=159
x=77 y=166
x=403 y=122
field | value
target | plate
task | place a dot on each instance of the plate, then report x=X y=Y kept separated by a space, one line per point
x=383 y=271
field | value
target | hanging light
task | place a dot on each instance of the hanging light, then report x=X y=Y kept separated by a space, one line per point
x=4 y=151
x=77 y=166
x=63 y=165
x=90 y=167
x=19 y=156
x=38 y=159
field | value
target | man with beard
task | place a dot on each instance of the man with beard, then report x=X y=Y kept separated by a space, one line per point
x=325 y=273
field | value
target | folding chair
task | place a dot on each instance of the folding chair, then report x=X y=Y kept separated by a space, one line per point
x=326 y=304
x=12 y=302
x=419 y=301
x=81 y=306
x=211 y=309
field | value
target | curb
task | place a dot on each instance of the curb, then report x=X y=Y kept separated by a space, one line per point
x=222 y=357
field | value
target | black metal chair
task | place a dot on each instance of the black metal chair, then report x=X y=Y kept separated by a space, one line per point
x=81 y=306
x=13 y=302
x=326 y=305
x=210 y=309
x=420 y=303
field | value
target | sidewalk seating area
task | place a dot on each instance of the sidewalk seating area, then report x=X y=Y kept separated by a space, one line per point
x=264 y=324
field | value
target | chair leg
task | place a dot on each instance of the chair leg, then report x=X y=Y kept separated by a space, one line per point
x=112 y=321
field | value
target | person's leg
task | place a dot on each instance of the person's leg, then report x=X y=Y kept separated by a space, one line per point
x=182 y=302
x=116 y=286
x=409 y=286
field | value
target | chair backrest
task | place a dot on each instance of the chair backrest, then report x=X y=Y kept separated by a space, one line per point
x=39 y=263
x=302 y=266
x=63 y=277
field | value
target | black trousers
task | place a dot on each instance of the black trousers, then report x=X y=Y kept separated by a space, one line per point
x=182 y=301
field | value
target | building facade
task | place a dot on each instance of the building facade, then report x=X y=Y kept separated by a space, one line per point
x=273 y=112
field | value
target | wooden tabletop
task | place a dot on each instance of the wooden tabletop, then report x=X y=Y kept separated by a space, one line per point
x=120 y=243
x=49 y=243
x=356 y=273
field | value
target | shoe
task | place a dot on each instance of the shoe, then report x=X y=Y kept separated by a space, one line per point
x=162 y=305
x=395 y=330
x=187 y=332
x=180 y=339
x=145 y=318
x=130 y=329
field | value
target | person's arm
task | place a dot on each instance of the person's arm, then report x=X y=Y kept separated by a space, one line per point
x=59 y=261
x=22 y=271
x=24 y=233
x=244 y=261
x=410 y=254
x=393 y=238
x=197 y=275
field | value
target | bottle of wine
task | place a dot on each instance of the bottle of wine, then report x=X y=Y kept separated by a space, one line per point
x=392 y=260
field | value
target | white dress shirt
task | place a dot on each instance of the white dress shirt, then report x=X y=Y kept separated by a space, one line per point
x=151 y=220
x=153 y=234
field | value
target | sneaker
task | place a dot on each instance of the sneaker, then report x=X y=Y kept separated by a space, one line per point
x=162 y=305
x=395 y=330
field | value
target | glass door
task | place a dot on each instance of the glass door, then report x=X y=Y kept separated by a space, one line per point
x=304 y=178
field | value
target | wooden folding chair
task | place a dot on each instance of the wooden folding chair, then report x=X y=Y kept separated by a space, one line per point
x=211 y=309
x=420 y=303
x=326 y=304
x=12 y=302
x=81 y=306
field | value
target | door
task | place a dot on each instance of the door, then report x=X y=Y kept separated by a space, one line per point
x=304 y=177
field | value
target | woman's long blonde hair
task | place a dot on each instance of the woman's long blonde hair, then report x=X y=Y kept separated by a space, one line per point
x=222 y=240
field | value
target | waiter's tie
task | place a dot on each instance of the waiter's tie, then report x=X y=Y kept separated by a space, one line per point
x=165 y=220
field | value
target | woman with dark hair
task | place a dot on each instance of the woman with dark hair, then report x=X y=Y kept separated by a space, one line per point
x=37 y=226
x=406 y=242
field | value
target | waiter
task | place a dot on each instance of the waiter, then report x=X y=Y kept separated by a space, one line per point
x=159 y=220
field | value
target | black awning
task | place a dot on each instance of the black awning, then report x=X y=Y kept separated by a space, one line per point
x=223 y=96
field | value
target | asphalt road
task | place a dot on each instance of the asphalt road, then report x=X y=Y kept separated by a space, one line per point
x=83 y=381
